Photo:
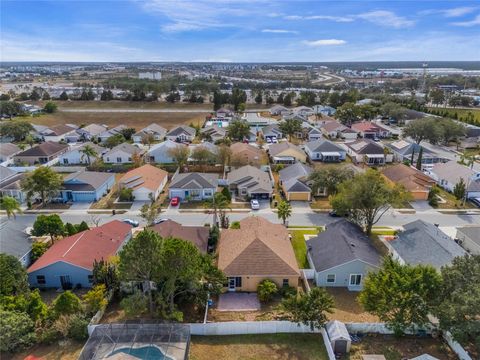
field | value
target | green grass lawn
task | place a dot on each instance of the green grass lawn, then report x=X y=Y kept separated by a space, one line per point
x=258 y=347
x=383 y=230
x=299 y=246
x=451 y=201
x=461 y=113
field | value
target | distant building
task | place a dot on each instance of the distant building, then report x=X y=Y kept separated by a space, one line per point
x=157 y=75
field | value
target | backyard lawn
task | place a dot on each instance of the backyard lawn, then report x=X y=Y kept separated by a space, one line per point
x=299 y=246
x=400 y=348
x=347 y=308
x=64 y=350
x=258 y=347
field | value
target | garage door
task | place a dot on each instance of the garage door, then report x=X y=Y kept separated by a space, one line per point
x=302 y=196
x=177 y=193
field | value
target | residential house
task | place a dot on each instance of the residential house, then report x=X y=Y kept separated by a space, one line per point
x=286 y=153
x=250 y=182
x=422 y=243
x=247 y=154
x=156 y=131
x=121 y=154
x=342 y=256
x=271 y=132
x=348 y=134
x=214 y=133
x=146 y=181
x=310 y=132
x=68 y=263
x=193 y=186
x=224 y=113
x=256 y=121
x=304 y=111
x=181 y=133
x=294 y=116
x=15 y=241
x=86 y=186
x=251 y=137
x=278 y=110
x=102 y=137
x=324 y=110
x=469 y=238
x=75 y=155
x=403 y=150
x=56 y=133
x=197 y=235
x=448 y=174
x=325 y=150
x=294 y=182
x=366 y=151
x=332 y=129
x=41 y=153
x=7 y=151
x=415 y=182
x=10 y=184
x=370 y=130
x=161 y=153
x=211 y=148
x=87 y=133
x=257 y=251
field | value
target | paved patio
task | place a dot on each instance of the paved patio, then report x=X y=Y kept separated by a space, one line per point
x=233 y=301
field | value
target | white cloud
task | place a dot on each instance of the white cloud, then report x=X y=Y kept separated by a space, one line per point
x=340 y=19
x=279 y=31
x=474 y=22
x=323 y=42
x=386 y=18
x=450 y=13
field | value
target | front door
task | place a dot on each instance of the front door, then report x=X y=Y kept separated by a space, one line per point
x=231 y=284
x=65 y=282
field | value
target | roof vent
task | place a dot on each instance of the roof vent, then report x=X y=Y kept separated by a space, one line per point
x=309 y=248
x=352 y=244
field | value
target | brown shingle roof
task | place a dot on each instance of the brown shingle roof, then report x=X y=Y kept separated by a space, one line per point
x=151 y=176
x=411 y=178
x=44 y=149
x=198 y=235
x=258 y=248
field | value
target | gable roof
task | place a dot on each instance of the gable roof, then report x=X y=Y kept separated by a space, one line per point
x=113 y=131
x=258 y=248
x=276 y=149
x=197 y=235
x=83 y=248
x=367 y=126
x=164 y=146
x=341 y=242
x=411 y=178
x=198 y=180
x=452 y=171
x=8 y=149
x=126 y=148
x=239 y=147
x=323 y=145
x=250 y=177
x=47 y=148
x=152 y=129
x=295 y=171
x=365 y=146
x=182 y=129
x=86 y=180
x=330 y=126
x=92 y=129
x=147 y=176
x=57 y=130
x=425 y=243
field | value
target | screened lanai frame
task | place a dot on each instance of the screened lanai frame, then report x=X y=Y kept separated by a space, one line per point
x=172 y=339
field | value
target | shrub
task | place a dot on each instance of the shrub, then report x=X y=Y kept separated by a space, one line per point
x=62 y=326
x=135 y=304
x=66 y=303
x=38 y=249
x=36 y=308
x=82 y=226
x=235 y=225
x=265 y=290
x=70 y=229
x=17 y=331
x=126 y=194
x=95 y=299
x=227 y=194
x=78 y=329
x=286 y=291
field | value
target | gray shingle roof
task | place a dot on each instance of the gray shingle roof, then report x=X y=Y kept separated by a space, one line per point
x=44 y=149
x=295 y=171
x=424 y=243
x=365 y=146
x=252 y=178
x=197 y=180
x=125 y=147
x=183 y=129
x=323 y=145
x=8 y=149
x=340 y=243
x=79 y=180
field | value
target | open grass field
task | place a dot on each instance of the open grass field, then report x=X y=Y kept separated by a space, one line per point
x=400 y=348
x=258 y=347
x=460 y=112
x=136 y=120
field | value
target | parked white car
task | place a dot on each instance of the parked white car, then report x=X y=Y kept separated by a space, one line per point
x=255 y=205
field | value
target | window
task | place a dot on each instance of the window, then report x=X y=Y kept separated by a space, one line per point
x=41 y=280
x=330 y=278
x=285 y=282
x=355 y=279
x=238 y=281
x=119 y=159
x=108 y=159
x=208 y=193
x=90 y=279
x=129 y=159
x=65 y=160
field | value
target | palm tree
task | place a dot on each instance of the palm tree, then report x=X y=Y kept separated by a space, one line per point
x=10 y=205
x=218 y=202
x=284 y=211
x=88 y=152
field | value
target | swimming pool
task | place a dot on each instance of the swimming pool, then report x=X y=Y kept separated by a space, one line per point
x=148 y=352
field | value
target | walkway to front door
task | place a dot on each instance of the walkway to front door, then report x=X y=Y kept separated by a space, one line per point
x=238 y=302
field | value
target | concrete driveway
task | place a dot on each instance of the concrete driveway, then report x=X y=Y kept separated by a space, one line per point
x=80 y=206
x=301 y=206
x=421 y=205
x=137 y=205
x=233 y=301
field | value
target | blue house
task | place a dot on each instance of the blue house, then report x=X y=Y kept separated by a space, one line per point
x=86 y=186
x=69 y=262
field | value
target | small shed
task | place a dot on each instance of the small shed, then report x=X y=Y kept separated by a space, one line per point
x=339 y=337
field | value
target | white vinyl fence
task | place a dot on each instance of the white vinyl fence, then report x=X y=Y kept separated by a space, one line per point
x=455 y=346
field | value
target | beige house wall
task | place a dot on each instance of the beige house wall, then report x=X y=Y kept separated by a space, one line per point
x=250 y=283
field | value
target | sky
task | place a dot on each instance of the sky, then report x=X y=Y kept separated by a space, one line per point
x=239 y=30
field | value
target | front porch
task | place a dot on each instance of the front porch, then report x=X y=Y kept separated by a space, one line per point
x=374 y=160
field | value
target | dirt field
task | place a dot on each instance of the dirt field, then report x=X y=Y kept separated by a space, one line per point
x=258 y=347
x=347 y=309
x=400 y=348
x=135 y=120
